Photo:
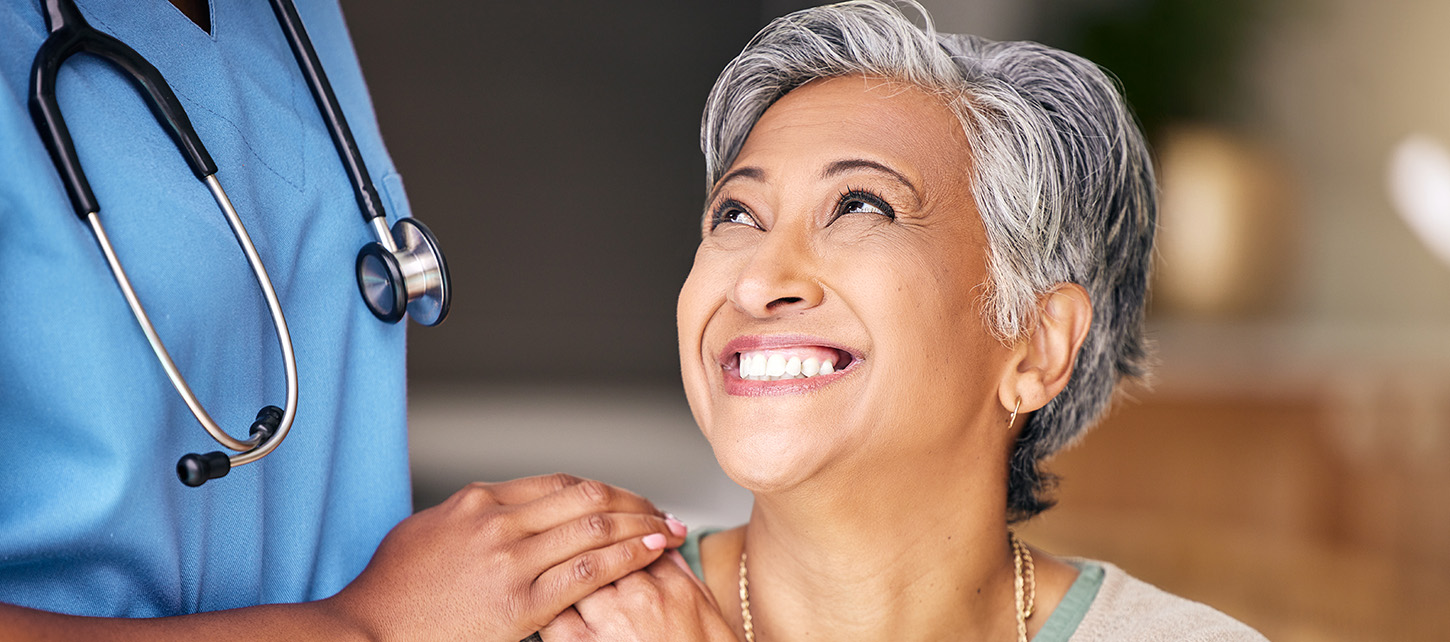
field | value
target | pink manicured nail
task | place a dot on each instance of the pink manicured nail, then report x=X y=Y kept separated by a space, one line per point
x=654 y=541
x=676 y=526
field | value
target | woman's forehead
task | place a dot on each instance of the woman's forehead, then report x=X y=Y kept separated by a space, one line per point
x=824 y=121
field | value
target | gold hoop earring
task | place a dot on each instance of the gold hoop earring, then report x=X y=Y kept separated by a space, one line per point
x=1013 y=419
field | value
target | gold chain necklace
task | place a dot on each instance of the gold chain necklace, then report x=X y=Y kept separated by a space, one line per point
x=1025 y=585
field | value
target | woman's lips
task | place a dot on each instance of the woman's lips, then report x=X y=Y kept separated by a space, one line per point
x=783 y=364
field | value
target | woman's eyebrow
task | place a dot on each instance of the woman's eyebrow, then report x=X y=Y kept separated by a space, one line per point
x=843 y=166
x=834 y=169
x=753 y=173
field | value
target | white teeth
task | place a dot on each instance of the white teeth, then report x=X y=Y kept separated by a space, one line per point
x=775 y=367
x=759 y=366
x=810 y=367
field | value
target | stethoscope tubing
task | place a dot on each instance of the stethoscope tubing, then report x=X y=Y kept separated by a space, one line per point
x=279 y=323
x=250 y=450
x=368 y=201
x=71 y=34
x=416 y=279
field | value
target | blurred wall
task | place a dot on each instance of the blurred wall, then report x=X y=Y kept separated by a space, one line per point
x=552 y=147
x=1342 y=83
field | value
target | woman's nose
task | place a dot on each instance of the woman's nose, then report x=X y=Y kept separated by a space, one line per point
x=779 y=277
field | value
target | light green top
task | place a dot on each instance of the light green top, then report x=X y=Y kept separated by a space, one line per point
x=1059 y=626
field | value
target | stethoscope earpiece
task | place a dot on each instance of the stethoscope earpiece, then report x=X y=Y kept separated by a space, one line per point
x=195 y=470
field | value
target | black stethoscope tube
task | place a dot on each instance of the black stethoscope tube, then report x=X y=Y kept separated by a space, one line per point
x=71 y=34
x=357 y=171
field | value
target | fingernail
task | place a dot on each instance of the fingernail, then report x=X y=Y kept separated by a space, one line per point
x=654 y=541
x=676 y=526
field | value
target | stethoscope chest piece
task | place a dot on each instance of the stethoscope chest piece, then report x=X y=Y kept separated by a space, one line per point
x=411 y=277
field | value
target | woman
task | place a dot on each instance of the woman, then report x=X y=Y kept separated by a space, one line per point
x=922 y=271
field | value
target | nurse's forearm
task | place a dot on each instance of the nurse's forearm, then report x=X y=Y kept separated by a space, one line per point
x=306 y=621
x=495 y=562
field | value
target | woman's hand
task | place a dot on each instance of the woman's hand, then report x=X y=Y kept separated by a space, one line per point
x=664 y=602
x=496 y=562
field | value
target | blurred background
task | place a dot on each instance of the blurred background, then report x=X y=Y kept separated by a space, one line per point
x=1288 y=463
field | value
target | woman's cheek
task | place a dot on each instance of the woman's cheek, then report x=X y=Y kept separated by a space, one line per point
x=700 y=296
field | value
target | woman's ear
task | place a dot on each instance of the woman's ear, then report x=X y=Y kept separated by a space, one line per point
x=1042 y=363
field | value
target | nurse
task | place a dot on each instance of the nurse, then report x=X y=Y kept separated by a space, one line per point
x=98 y=539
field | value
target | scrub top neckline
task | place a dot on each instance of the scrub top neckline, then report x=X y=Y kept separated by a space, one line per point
x=164 y=21
x=199 y=66
x=210 y=28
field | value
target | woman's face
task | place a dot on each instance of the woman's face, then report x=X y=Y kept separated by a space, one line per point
x=845 y=234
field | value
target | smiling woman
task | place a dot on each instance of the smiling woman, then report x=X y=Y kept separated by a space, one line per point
x=922 y=271
x=846 y=234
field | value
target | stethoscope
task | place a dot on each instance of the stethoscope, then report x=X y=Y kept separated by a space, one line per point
x=403 y=271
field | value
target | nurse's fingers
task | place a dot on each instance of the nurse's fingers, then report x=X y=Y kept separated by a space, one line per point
x=597 y=531
x=568 y=627
x=525 y=489
x=570 y=581
x=577 y=500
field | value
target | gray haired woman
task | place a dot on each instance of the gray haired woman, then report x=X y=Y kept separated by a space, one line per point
x=922 y=271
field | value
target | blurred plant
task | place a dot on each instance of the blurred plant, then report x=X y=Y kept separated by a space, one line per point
x=1178 y=60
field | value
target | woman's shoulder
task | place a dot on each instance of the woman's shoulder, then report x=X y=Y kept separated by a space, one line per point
x=690 y=550
x=1127 y=608
x=707 y=556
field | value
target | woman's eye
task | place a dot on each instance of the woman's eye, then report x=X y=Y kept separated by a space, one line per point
x=731 y=212
x=860 y=202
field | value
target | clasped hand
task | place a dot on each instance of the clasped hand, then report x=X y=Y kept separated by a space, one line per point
x=665 y=601
x=497 y=562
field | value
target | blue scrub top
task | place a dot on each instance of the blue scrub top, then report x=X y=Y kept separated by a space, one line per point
x=93 y=519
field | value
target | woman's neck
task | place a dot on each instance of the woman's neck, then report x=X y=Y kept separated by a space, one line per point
x=871 y=565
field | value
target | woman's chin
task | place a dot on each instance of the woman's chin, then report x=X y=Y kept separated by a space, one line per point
x=760 y=481
x=762 y=464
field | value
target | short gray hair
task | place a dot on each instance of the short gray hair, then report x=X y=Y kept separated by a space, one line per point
x=1062 y=178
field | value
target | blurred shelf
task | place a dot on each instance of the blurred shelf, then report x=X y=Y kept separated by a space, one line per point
x=1259 y=507
x=1266 y=358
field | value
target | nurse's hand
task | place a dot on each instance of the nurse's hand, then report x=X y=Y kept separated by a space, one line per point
x=497 y=562
x=664 y=602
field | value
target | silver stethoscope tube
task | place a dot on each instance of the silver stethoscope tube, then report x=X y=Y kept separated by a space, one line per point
x=256 y=446
x=385 y=237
